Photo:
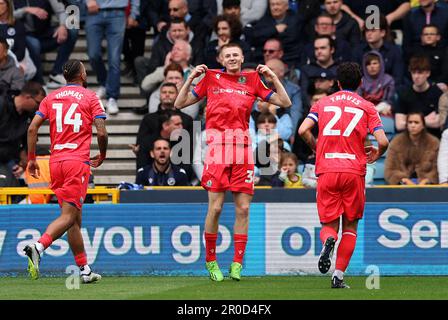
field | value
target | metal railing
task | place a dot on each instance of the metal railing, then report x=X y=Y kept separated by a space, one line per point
x=99 y=194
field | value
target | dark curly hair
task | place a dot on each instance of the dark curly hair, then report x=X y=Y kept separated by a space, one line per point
x=72 y=70
x=349 y=75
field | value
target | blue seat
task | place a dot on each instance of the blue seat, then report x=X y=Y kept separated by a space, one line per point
x=379 y=182
x=389 y=125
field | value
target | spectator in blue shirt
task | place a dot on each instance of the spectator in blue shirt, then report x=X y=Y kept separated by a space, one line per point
x=161 y=172
x=429 y=12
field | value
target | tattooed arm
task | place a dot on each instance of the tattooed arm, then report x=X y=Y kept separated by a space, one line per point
x=102 y=138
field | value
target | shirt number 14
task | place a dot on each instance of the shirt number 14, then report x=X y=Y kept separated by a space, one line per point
x=71 y=118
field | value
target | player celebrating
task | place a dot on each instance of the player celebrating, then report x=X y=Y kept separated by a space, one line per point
x=229 y=162
x=344 y=120
x=71 y=111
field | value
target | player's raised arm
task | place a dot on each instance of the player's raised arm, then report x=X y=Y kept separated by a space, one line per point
x=33 y=167
x=185 y=98
x=279 y=98
x=102 y=137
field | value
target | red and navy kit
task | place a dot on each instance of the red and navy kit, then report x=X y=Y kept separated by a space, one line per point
x=71 y=111
x=229 y=162
x=344 y=121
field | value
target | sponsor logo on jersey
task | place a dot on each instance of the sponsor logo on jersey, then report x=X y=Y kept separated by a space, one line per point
x=171 y=181
x=242 y=79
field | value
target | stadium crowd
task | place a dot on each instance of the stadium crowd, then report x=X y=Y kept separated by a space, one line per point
x=404 y=58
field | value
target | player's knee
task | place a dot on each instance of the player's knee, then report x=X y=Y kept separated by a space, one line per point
x=70 y=220
x=243 y=210
x=215 y=210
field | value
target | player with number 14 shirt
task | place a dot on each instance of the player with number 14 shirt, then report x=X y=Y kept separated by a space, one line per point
x=71 y=111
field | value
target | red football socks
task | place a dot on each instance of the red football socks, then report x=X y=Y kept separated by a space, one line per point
x=210 y=246
x=345 y=250
x=240 y=241
x=46 y=240
x=327 y=232
x=81 y=259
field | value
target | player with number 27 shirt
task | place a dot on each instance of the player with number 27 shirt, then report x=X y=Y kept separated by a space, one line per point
x=344 y=119
x=71 y=111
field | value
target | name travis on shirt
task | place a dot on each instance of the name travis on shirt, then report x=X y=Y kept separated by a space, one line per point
x=345 y=97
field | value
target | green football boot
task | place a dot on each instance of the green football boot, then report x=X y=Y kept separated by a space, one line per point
x=33 y=261
x=214 y=271
x=235 y=271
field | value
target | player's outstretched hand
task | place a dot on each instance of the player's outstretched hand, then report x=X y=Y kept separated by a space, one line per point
x=97 y=160
x=266 y=71
x=372 y=153
x=33 y=169
x=198 y=70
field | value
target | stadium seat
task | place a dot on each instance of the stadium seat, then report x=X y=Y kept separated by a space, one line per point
x=388 y=124
x=378 y=178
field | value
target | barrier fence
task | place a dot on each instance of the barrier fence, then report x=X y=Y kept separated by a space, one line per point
x=399 y=238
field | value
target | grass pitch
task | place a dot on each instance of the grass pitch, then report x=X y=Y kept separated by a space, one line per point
x=200 y=288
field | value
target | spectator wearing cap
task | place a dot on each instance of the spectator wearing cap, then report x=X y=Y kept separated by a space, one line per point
x=326 y=82
x=248 y=11
x=161 y=172
x=346 y=26
x=278 y=22
x=421 y=96
x=376 y=39
x=429 y=12
x=324 y=26
x=323 y=65
x=11 y=77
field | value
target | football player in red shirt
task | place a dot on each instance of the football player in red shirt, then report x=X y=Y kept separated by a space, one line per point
x=71 y=111
x=229 y=163
x=344 y=119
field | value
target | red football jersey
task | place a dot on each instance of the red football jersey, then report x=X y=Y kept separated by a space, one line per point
x=229 y=103
x=344 y=120
x=71 y=111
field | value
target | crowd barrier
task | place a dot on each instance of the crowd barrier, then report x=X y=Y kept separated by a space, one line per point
x=398 y=236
